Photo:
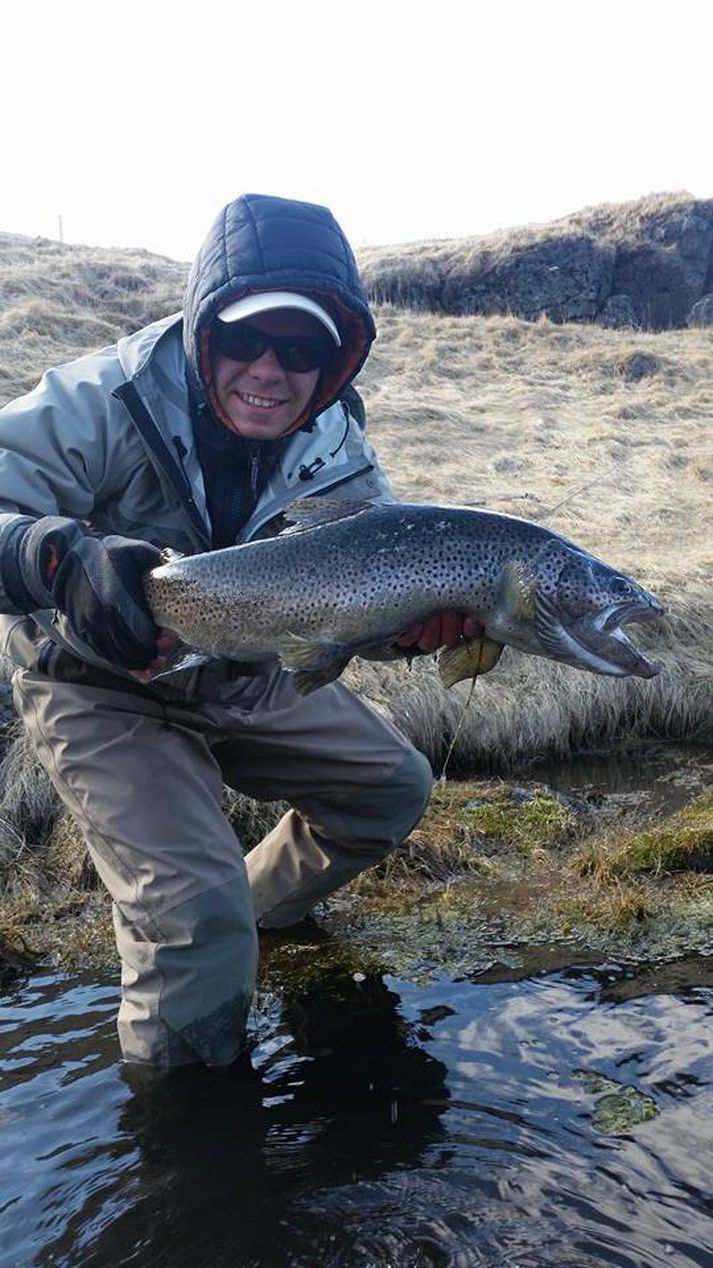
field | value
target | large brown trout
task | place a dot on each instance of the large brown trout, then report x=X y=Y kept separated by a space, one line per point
x=347 y=579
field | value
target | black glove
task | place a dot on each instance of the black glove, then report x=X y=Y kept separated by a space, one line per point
x=97 y=582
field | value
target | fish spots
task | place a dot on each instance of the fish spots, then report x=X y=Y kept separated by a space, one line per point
x=362 y=579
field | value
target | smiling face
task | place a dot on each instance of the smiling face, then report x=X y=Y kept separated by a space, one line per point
x=260 y=399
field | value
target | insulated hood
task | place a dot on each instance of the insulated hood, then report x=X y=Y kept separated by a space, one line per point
x=261 y=243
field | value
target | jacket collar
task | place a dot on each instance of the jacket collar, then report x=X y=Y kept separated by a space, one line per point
x=318 y=456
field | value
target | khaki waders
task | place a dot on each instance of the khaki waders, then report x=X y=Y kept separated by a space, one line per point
x=144 y=780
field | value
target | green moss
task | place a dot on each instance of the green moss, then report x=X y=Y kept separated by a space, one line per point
x=617 y=1113
x=487 y=875
x=304 y=958
x=620 y=1108
x=683 y=843
x=623 y=910
x=538 y=823
x=467 y=827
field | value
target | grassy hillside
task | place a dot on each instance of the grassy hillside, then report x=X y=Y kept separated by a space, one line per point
x=613 y=224
x=604 y=435
x=58 y=301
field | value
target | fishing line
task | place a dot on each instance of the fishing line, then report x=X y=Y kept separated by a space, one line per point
x=464 y=710
x=479 y=659
x=565 y=501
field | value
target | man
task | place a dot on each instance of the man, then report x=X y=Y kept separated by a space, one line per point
x=195 y=433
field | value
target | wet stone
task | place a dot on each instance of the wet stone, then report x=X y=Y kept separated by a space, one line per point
x=616 y=1113
x=620 y=1108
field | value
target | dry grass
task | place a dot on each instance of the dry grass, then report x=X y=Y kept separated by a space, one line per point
x=28 y=805
x=537 y=420
x=617 y=223
x=470 y=828
x=58 y=301
x=528 y=417
x=533 y=419
x=682 y=843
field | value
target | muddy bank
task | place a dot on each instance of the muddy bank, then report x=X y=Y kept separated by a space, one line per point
x=499 y=874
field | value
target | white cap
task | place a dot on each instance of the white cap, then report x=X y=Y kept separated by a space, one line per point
x=267 y=301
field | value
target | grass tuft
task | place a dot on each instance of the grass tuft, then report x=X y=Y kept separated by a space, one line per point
x=681 y=843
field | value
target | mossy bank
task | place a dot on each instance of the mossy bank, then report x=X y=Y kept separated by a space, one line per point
x=497 y=875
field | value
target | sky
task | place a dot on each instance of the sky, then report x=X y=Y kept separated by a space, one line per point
x=132 y=124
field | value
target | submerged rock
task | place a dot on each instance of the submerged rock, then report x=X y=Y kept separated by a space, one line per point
x=620 y=1108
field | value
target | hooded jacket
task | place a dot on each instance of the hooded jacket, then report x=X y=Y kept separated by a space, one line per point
x=108 y=438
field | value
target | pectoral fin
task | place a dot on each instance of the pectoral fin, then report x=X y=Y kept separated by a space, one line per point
x=468 y=659
x=516 y=592
x=313 y=664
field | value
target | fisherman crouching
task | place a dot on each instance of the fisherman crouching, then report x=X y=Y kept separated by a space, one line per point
x=194 y=433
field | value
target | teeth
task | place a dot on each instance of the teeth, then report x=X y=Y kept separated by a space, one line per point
x=263 y=402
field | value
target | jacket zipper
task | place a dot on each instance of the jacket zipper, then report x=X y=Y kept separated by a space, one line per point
x=254 y=468
x=174 y=470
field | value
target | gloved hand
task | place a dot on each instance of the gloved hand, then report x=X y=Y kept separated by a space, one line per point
x=97 y=582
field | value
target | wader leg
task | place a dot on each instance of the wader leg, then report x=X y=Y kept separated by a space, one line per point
x=356 y=785
x=147 y=796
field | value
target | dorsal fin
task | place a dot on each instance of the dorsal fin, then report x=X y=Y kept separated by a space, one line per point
x=311 y=512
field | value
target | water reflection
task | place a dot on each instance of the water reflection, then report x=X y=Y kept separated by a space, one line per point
x=204 y=1164
x=385 y=1123
x=656 y=778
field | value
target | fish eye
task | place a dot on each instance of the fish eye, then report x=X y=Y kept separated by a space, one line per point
x=621 y=585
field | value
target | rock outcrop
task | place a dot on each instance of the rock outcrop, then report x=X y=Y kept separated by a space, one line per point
x=646 y=264
x=701 y=313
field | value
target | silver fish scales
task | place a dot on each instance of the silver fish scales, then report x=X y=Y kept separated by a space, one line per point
x=349 y=578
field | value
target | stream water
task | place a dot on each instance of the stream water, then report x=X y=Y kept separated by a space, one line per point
x=516 y=1119
x=654 y=779
x=387 y=1124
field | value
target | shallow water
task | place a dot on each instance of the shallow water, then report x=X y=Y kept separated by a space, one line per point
x=388 y=1124
x=653 y=778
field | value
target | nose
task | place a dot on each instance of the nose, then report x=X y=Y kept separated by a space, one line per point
x=266 y=366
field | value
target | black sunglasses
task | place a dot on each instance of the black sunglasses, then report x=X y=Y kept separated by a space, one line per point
x=297 y=353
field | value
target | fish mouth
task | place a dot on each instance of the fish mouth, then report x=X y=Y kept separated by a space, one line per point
x=607 y=646
x=596 y=640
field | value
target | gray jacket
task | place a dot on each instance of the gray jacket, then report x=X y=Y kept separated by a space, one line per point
x=107 y=439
